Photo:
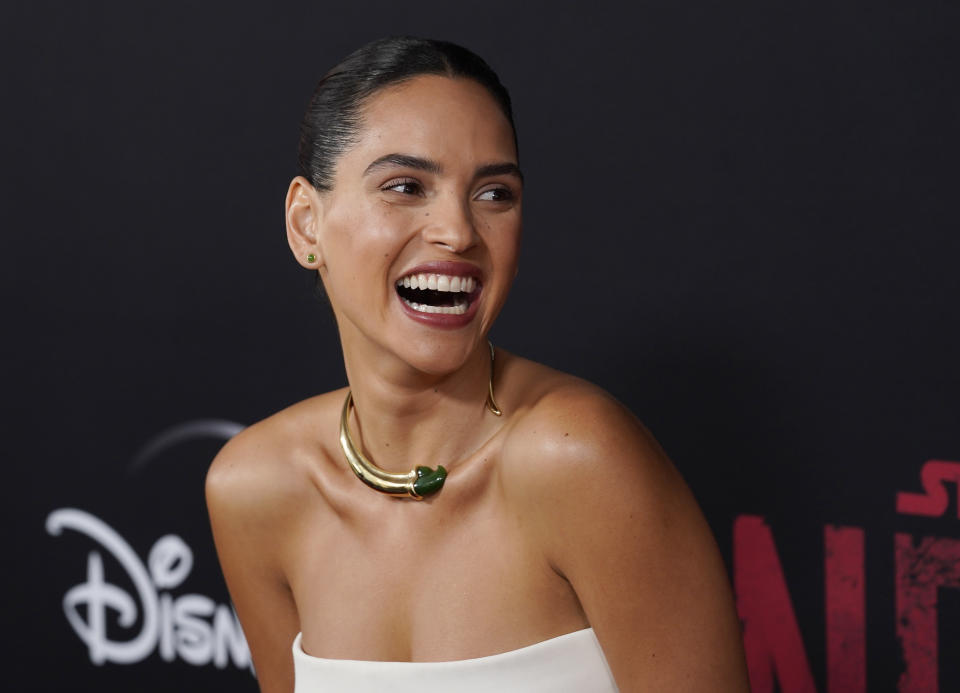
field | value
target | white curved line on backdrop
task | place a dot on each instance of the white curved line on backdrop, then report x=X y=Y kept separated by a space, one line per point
x=181 y=433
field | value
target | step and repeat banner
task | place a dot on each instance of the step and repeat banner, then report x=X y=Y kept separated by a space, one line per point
x=742 y=222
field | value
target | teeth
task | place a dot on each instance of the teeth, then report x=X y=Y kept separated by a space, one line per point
x=458 y=309
x=439 y=282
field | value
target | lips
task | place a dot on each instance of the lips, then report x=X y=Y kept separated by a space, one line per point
x=441 y=293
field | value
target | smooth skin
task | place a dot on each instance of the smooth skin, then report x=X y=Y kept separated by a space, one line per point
x=563 y=513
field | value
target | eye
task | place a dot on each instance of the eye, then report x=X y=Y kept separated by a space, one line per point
x=404 y=186
x=498 y=194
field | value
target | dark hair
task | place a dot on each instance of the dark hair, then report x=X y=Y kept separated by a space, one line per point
x=332 y=120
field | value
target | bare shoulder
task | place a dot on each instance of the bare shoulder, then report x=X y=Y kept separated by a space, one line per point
x=575 y=456
x=265 y=470
x=571 y=436
x=613 y=516
x=260 y=489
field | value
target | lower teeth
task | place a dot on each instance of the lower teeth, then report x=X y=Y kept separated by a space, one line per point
x=458 y=309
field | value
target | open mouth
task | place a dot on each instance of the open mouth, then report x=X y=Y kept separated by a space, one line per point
x=438 y=293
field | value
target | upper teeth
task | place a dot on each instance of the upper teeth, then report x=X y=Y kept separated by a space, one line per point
x=438 y=282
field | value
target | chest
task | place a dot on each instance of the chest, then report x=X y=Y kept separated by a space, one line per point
x=427 y=583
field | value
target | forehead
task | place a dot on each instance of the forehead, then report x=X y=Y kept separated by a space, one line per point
x=446 y=119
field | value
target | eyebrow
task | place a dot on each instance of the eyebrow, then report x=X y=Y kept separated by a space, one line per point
x=406 y=161
x=505 y=168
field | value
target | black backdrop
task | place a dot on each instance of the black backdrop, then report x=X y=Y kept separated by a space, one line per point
x=741 y=221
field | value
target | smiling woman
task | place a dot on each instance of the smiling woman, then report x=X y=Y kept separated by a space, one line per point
x=458 y=517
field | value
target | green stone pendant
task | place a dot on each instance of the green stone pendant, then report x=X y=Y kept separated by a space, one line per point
x=429 y=481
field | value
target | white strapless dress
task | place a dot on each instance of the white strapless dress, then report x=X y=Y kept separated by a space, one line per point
x=571 y=663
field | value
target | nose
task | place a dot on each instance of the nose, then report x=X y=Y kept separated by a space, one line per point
x=451 y=225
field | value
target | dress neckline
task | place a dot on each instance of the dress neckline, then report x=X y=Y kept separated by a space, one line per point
x=521 y=651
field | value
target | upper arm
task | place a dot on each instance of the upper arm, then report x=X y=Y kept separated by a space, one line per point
x=247 y=525
x=616 y=519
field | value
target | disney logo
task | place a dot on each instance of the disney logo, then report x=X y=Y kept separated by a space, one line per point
x=190 y=626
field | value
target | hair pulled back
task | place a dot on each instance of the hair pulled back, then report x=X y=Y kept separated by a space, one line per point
x=332 y=121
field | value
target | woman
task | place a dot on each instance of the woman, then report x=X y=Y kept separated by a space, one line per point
x=564 y=552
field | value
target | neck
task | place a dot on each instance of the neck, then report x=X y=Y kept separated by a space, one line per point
x=405 y=416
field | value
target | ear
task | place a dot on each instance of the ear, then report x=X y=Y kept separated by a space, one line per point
x=303 y=213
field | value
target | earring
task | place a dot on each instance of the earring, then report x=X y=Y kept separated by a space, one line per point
x=311 y=258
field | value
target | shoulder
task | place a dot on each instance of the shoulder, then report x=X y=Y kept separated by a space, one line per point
x=577 y=460
x=266 y=469
x=604 y=505
x=261 y=492
x=571 y=432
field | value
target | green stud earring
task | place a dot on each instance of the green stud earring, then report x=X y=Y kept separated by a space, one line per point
x=311 y=258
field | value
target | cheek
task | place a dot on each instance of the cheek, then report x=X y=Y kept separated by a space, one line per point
x=364 y=231
x=362 y=248
x=508 y=242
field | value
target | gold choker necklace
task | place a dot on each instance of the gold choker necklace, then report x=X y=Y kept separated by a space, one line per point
x=418 y=482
